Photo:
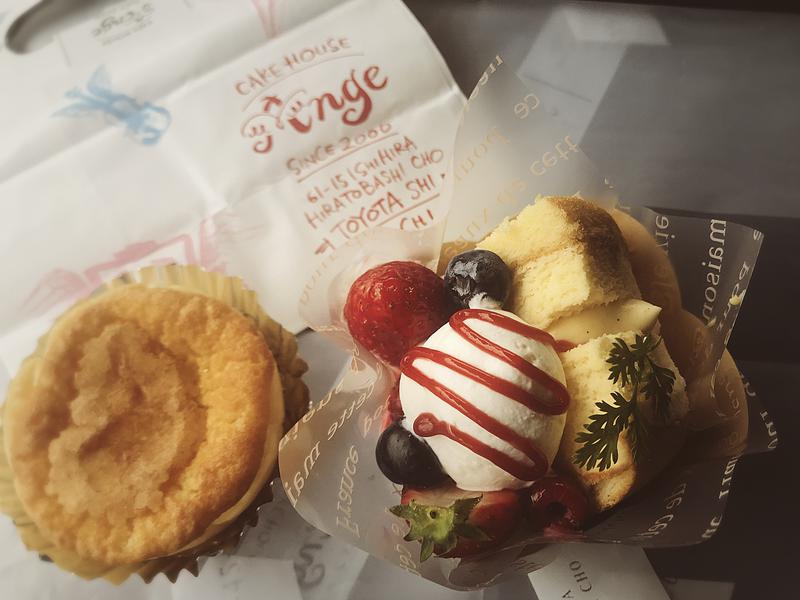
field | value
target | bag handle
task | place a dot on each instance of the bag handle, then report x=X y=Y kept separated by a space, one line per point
x=15 y=19
x=47 y=58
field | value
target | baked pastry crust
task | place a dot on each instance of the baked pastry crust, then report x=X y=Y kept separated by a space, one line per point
x=143 y=419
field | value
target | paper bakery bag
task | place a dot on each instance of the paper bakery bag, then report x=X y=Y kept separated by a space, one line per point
x=252 y=138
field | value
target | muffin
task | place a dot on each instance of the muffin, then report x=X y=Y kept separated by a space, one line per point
x=147 y=421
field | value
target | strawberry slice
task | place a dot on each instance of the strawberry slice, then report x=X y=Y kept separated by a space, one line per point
x=394 y=410
x=558 y=505
x=393 y=406
x=395 y=306
x=450 y=522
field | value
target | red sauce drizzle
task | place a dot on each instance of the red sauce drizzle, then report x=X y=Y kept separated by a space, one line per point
x=427 y=425
x=553 y=401
x=557 y=398
x=564 y=346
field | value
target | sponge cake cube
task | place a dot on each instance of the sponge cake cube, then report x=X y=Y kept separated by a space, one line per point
x=567 y=255
x=586 y=370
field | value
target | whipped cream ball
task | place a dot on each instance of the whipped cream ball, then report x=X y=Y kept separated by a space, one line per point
x=469 y=470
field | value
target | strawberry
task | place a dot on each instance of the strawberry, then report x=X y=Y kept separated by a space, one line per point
x=558 y=505
x=394 y=410
x=387 y=420
x=395 y=306
x=450 y=522
x=393 y=406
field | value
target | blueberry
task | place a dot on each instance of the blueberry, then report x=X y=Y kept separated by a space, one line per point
x=477 y=273
x=406 y=459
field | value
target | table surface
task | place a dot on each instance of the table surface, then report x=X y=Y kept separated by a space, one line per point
x=682 y=109
x=679 y=107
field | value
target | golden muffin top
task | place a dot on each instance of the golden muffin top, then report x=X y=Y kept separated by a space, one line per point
x=141 y=419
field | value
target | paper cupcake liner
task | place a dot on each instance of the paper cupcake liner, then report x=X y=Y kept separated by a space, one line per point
x=291 y=367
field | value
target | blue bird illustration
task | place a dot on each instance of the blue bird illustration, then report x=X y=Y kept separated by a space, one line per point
x=144 y=121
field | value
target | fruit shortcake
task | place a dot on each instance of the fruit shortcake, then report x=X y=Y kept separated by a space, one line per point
x=532 y=380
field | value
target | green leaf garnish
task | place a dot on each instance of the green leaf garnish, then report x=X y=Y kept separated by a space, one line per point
x=631 y=366
x=439 y=527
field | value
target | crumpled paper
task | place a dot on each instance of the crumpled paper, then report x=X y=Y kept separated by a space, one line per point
x=246 y=137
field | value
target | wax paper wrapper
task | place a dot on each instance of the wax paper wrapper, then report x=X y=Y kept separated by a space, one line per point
x=508 y=150
x=225 y=533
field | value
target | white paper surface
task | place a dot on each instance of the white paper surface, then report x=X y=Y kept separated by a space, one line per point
x=239 y=578
x=598 y=572
x=381 y=580
x=149 y=22
x=325 y=568
x=278 y=557
x=24 y=577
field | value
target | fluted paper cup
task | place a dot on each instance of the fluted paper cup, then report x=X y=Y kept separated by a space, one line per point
x=225 y=533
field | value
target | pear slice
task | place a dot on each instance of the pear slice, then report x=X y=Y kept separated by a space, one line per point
x=624 y=315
